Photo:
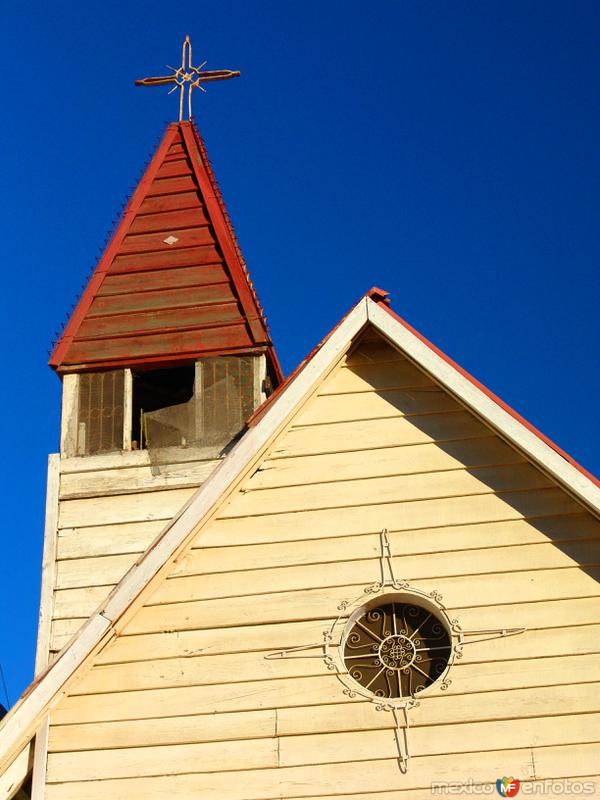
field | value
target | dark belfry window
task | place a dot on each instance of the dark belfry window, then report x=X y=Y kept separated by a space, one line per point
x=205 y=404
x=100 y=412
x=163 y=407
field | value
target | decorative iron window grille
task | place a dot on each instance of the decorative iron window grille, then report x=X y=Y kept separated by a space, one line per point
x=100 y=412
x=396 y=649
x=227 y=393
x=393 y=647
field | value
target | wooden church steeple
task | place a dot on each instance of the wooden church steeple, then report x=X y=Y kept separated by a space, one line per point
x=163 y=361
x=170 y=291
x=172 y=283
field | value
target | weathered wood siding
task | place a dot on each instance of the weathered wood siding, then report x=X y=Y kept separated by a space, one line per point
x=183 y=703
x=110 y=509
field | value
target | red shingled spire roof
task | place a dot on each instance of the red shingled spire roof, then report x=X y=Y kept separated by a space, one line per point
x=172 y=284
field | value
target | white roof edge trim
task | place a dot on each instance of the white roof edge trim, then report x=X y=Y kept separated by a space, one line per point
x=486 y=408
x=18 y=724
x=16 y=773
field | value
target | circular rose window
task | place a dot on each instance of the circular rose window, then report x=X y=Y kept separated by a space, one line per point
x=396 y=648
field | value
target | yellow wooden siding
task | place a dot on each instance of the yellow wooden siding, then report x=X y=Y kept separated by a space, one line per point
x=196 y=729
x=273 y=636
x=317 y=705
x=102 y=482
x=211 y=560
x=569 y=760
x=111 y=507
x=406 y=516
x=382 y=461
x=183 y=703
x=136 y=507
x=291 y=751
x=205 y=670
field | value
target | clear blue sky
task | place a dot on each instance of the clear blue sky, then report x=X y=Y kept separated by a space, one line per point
x=445 y=151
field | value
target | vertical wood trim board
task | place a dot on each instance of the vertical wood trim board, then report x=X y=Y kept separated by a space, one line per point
x=42 y=656
x=127 y=409
x=69 y=415
x=48 y=563
x=16 y=773
x=260 y=374
x=40 y=761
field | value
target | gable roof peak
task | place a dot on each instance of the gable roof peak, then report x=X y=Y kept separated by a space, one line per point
x=172 y=284
x=379 y=295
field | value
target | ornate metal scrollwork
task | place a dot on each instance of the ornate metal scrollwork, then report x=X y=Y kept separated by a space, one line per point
x=391 y=644
x=397 y=649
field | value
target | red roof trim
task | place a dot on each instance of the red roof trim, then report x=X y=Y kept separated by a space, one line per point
x=382 y=304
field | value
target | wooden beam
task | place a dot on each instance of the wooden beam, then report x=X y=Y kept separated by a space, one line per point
x=19 y=726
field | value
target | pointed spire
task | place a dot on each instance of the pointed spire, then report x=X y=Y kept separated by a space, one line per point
x=171 y=284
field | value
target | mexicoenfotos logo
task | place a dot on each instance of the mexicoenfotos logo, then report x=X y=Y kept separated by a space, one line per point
x=507 y=787
x=510 y=787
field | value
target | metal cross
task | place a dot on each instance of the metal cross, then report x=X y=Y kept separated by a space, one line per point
x=188 y=76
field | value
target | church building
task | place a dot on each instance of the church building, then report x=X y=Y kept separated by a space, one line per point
x=370 y=580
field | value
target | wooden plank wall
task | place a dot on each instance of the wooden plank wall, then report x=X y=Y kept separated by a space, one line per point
x=111 y=507
x=183 y=703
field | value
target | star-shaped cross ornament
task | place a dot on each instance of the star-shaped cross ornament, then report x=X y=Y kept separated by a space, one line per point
x=189 y=77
